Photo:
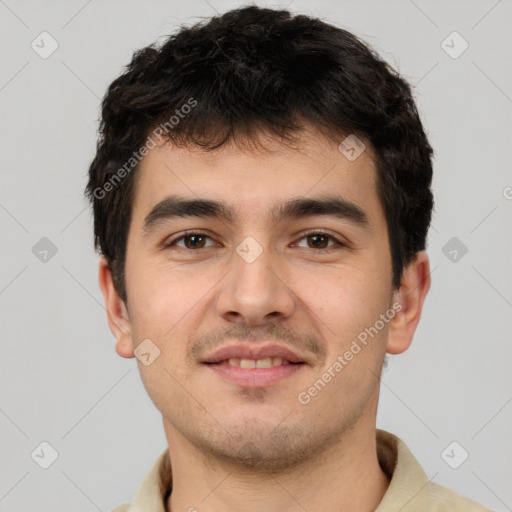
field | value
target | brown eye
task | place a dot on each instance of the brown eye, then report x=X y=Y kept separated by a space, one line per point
x=194 y=241
x=321 y=241
x=318 y=241
x=190 y=241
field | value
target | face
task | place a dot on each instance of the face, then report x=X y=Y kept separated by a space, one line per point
x=285 y=268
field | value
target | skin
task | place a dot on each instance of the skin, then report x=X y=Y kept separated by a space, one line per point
x=235 y=448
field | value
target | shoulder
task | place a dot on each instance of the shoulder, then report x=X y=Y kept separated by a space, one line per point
x=444 y=499
x=410 y=489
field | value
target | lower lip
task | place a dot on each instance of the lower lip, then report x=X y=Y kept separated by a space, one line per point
x=255 y=377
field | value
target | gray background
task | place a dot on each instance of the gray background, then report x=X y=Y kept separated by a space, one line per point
x=60 y=378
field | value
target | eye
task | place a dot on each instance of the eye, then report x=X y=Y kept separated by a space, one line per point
x=191 y=240
x=196 y=240
x=321 y=240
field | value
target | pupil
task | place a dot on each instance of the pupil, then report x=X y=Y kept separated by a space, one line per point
x=197 y=239
x=316 y=239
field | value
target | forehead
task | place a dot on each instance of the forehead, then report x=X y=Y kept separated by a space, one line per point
x=254 y=181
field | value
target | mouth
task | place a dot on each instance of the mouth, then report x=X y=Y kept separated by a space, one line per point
x=248 y=375
x=246 y=366
x=266 y=362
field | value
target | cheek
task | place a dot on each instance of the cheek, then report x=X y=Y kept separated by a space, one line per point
x=168 y=303
x=343 y=296
x=344 y=308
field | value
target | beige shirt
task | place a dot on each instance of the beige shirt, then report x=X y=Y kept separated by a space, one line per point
x=409 y=490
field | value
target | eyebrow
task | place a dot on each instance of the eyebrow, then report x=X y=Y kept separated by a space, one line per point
x=297 y=208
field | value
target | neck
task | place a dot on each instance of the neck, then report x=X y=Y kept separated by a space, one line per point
x=345 y=477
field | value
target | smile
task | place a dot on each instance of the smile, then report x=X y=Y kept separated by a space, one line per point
x=254 y=373
x=266 y=362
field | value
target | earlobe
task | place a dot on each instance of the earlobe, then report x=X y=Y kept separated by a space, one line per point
x=117 y=314
x=408 y=302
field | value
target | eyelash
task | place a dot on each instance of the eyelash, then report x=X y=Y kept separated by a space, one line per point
x=187 y=234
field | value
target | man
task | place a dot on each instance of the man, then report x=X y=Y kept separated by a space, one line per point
x=261 y=195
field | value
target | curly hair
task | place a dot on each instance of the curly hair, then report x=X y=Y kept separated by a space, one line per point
x=251 y=70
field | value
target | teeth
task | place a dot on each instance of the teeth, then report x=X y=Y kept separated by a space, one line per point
x=266 y=362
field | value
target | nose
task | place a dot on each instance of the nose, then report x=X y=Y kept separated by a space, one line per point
x=256 y=290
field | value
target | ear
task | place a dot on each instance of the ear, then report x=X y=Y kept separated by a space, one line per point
x=117 y=314
x=408 y=302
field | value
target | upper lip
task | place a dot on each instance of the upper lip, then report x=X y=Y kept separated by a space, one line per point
x=244 y=351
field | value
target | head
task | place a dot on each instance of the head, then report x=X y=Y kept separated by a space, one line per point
x=262 y=178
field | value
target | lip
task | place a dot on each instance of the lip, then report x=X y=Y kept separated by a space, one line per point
x=254 y=377
x=244 y=351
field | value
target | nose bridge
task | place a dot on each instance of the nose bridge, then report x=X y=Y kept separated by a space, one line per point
x=252 y=263
x=253 y=290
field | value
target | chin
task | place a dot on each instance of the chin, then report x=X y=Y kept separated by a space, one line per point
x=261 y=446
